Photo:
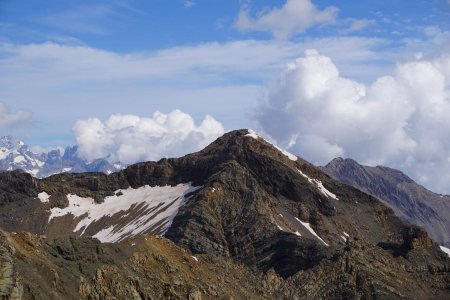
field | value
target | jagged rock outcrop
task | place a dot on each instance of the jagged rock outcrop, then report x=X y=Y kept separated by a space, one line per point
x=293 y=231
x=409 y=200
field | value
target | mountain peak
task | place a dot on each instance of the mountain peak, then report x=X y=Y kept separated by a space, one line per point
x=10 y=142
x=6 y=138
x=349 y=165
x=237 y=140
x=339 y=161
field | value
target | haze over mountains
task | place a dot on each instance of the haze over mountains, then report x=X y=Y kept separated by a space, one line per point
x=244 y=219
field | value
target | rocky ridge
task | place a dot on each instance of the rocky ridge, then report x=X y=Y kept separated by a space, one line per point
x=297 y=231
x=410 y=201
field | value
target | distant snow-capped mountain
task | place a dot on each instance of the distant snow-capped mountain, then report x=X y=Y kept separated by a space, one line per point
x=15 y=154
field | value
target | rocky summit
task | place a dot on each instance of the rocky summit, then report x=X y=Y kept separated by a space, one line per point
x=240 y=219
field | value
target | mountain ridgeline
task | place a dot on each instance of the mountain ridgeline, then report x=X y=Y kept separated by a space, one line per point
x=410 y=201
x=239 y=219
x=15 y=155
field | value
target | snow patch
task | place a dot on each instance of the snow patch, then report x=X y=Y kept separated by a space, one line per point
x=19 y=159
x=344 y=238
x=33 y=172
x=195 y=258
x=288 y=154
x=104 y=233
x=150 y=206
x=346 y=234
x=307 y=226
x=320 y=186
x=298 y=233
x=446 y=250
x=252 y=133
x=35 y=162
x=44 y=197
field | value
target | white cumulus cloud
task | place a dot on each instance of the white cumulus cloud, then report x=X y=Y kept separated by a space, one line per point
x=130 y=138
x=400 y=120
x=294 y=17
x=9 y=118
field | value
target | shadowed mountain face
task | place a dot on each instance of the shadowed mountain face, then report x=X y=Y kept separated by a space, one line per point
x=409 y=200
x=241 y=201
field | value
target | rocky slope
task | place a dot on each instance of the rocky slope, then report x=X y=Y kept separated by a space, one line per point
x=409 y=200
x=35 y=267
x=15 y=155
x=294 y=231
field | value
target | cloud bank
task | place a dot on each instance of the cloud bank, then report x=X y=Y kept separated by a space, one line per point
x=220 y=79
x=8 y=118
x=400 y=121
x=203 y=63
x=294 y=17
x=130 y=138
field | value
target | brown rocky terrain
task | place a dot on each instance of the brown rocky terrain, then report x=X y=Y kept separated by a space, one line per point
x=285 y=228
x=149 y=267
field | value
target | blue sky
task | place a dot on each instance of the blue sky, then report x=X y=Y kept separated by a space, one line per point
x=124 y=26
x=146 y=27
x=65 y=61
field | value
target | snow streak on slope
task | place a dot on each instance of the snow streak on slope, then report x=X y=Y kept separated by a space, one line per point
x=345 y=236
x=254 y=135
x=311 y=230
x=446 y=250
x=128 y=213
x=320 y=186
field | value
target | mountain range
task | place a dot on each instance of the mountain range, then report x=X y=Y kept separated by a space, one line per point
x=16 y=155
x=240 y=219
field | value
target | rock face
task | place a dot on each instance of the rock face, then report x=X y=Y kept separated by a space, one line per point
x=410 y=201
x=248 y=211
x=15 y=155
